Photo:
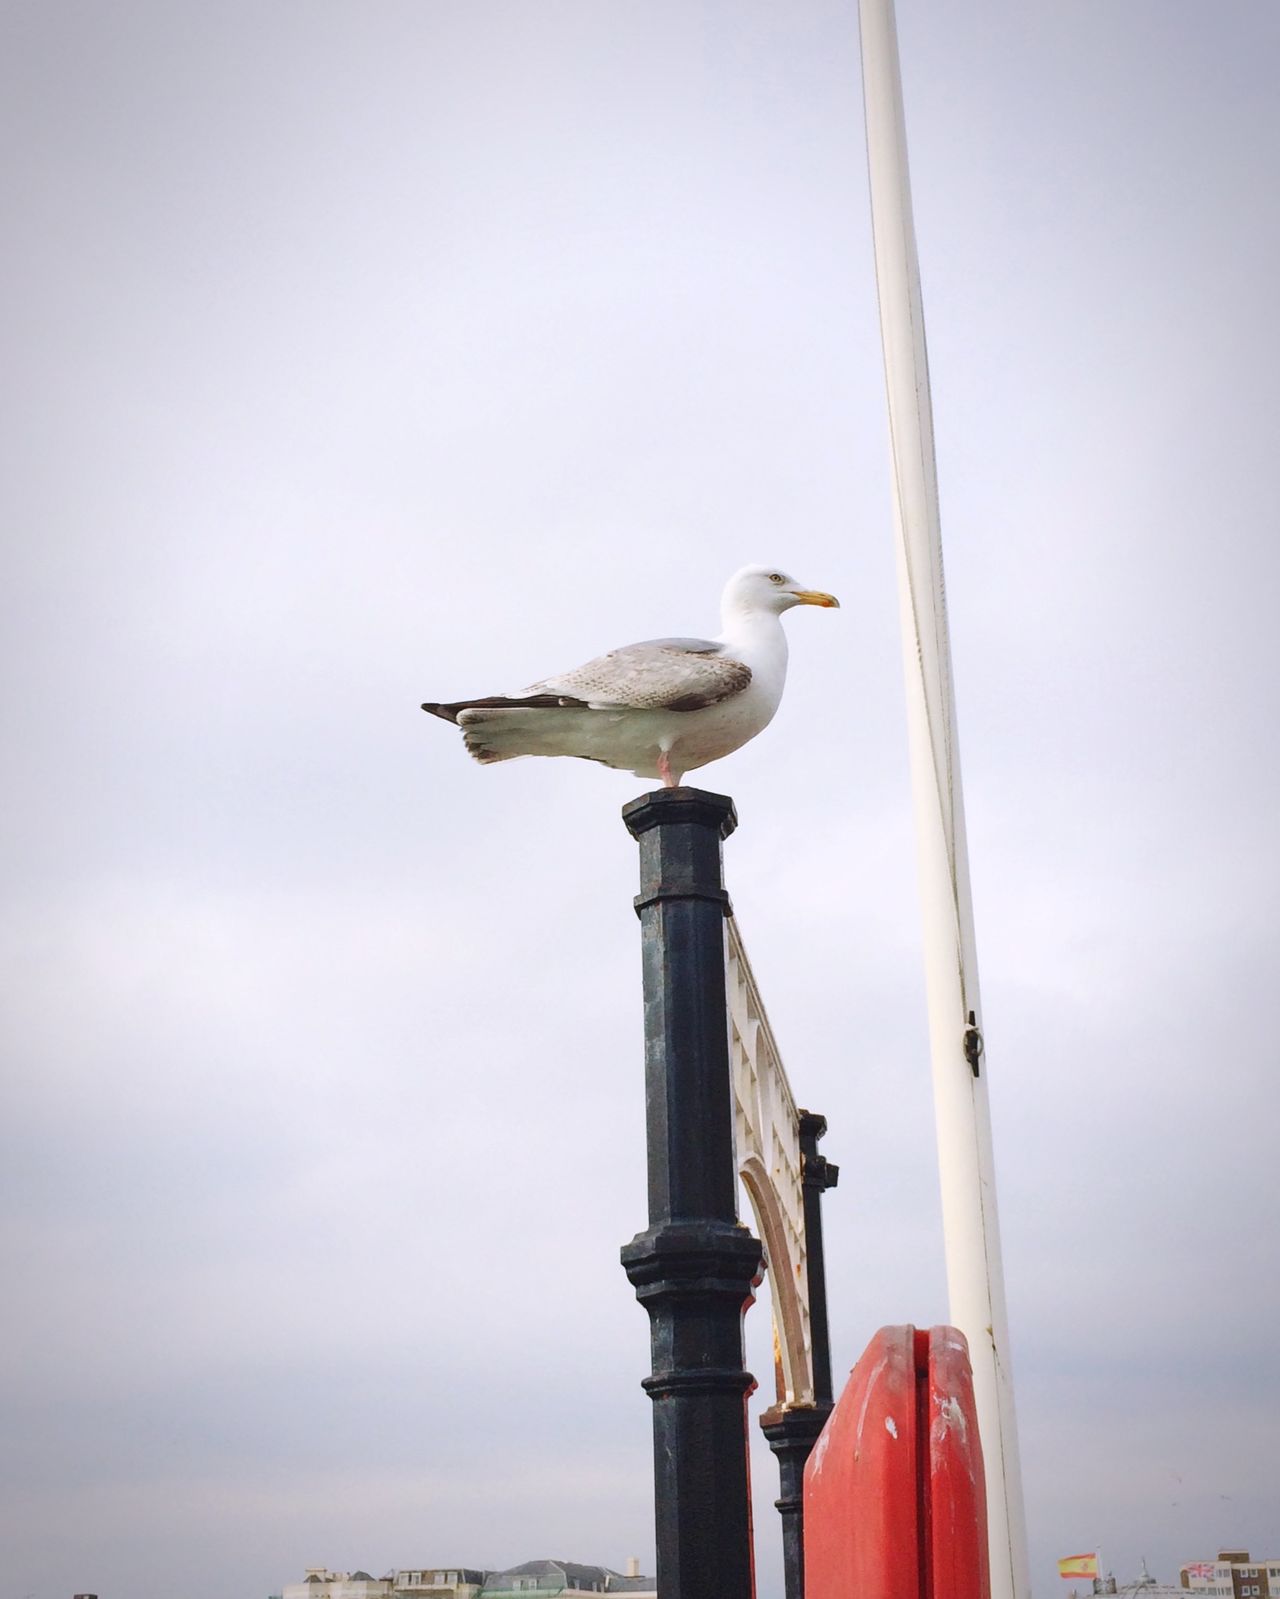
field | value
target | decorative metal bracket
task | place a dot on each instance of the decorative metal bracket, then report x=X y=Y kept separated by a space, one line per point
x=767 y=1142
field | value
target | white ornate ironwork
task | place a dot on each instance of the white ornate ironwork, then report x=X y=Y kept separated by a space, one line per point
x=767 y=1141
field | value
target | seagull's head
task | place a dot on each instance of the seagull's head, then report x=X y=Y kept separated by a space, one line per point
x=771 y=589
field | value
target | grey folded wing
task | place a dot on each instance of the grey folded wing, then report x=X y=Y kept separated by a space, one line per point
x=664 y=674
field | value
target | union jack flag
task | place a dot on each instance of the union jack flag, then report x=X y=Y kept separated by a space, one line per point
x=1201 y=1568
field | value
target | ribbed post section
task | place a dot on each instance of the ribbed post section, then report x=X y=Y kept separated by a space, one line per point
x=792 y=1432
x=694 y=1267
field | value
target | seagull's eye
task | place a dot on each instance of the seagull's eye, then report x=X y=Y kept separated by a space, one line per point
x=776 y=577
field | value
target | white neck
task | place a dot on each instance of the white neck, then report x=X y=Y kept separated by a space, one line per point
x=753 y=631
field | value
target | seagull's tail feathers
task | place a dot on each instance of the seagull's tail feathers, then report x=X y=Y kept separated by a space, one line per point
x=505 y=729
x=487 y=755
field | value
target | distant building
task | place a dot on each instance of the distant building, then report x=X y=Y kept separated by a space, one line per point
x=1149 y=1590
x=440 y=1582
x=542 y=1578
x=547 y=1577
x=1144 y=1586
x=321 y=1583
x=633 y=1583
x=1233 y=1575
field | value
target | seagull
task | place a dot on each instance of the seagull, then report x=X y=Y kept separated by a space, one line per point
x=658 y=709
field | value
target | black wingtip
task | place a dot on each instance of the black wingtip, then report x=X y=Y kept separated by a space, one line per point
x=448 y=712
x=506 y=702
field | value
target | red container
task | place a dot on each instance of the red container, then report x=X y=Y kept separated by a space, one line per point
x=895 y=1503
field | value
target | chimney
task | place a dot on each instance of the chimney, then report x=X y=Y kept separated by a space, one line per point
x=633 y=1565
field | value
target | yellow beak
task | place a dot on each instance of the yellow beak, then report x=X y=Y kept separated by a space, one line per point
x=816 y=597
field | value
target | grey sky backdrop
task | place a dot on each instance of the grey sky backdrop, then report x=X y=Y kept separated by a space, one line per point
x=360 y=354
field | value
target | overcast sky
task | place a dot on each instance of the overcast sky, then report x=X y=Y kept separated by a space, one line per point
x=361 y=354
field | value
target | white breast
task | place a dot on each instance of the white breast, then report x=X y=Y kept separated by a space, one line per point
x=703 y=736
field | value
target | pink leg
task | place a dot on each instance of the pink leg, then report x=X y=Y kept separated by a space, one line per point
x=664 y=769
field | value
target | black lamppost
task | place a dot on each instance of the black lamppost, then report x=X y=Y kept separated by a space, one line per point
x=694 y=1268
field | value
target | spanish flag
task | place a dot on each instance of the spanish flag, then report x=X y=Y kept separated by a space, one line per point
x=1078 y=1566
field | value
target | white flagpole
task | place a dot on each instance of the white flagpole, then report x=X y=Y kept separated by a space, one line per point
x=975 y=1277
